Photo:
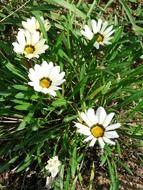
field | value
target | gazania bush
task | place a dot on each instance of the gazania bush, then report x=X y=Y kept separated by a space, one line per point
x=71 y=87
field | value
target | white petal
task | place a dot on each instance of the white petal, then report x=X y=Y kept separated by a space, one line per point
x=37 y=88
x=113 y=126
x=101 y=142
x=30 y=24
x=38 y=71
x=107 y=42
x=35 y=38
x=105 y=24
x=48 y=91
x=108 y=119
x=96 y=45
x=45 y=64
x=24 y=24
x=108 y=141
x=47 y=68
x=88 y=138
x=57 y=83
x=85 y=131
x=85 y=119
x=61 y=76
x=111 y=134
x=31 y=71
x=17 y=47
x=87 y=32
x=109 y=34
x=107 y=39
x=40 y=43
x=34 y=84
x=92 y=143
x=21 y=37
x=91 y=116
x=41 y=50
x=31 y=83
x=54 y=88
x=109 y=29
x=28 y=36
x=79 y=125
x=54 y=72
x=94 y=26
x=101 y=115
x=99 y=25
x=32 y=77
x=30 y=56
x=40 y=47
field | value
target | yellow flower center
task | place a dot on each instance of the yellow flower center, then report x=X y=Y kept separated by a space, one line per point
x=45 y=82
x=97 y=130
x=29 y=49
x=100 y=38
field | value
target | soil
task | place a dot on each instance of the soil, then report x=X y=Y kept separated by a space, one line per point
x=131 y=156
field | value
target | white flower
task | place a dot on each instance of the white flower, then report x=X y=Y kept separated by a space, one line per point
x=32 y=25
x=97 y=126
x=53 y=166
x=46 y=78
x=100 y=30
x=29 y=44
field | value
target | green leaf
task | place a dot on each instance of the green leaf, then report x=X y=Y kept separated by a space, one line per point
x=74 y=162
x=95 y=92
x=59 y=102
x=67 y=180
x=78 y=87
x=136 y=96
x=26 y=163
x=2 y=27
x=111 y=169
x=92 y=174
x=21 y=87
x=24 y=106
x=70 y=7
x=118 y=33
x=8 y=164
x=125 y=167
x=25 y=121
x=14 y=70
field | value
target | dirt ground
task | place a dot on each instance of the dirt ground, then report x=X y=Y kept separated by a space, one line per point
x=132 y=157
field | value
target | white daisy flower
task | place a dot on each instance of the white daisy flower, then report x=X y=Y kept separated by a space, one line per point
x=100 y=30
x=53 y=166
x=32 y=25
x=29 y=44
x=46 y=78
x=97 y=127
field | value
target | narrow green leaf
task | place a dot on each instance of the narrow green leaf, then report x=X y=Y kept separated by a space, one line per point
x=25 y=164
x=74 y=162
x=26 y=120
x=136 y=96
x=70 y=7
x=24 y=106
x=95 y=92
x=7 y=165
x=125 y=167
